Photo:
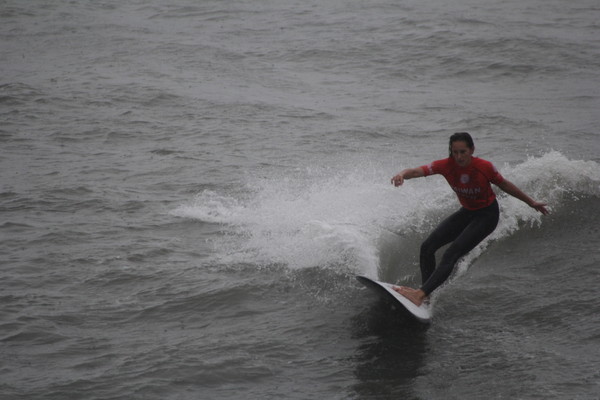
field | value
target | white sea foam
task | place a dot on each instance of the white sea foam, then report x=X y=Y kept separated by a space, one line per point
x=322 y=218
x=211 y=207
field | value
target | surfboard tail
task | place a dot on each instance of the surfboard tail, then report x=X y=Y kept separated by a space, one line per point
x=422 y=313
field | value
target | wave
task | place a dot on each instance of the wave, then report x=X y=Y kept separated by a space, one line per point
x=357 y=222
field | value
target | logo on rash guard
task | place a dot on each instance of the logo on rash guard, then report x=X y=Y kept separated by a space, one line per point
x=464 y=178
x=469 y=193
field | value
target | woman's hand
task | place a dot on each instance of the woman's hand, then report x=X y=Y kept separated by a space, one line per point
x=398 y=180
x=541 y=207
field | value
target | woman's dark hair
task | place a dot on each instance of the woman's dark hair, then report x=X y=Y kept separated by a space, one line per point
x=461 y=137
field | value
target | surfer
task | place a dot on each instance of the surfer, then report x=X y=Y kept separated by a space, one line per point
x=470 y=177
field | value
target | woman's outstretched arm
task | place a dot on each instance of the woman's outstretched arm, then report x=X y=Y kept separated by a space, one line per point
x=514 y=191
x=408 y=173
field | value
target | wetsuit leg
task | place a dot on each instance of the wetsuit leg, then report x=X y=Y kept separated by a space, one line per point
x=446 y=232
x=472 y=227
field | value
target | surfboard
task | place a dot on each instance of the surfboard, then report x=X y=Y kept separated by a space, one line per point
x=421 y=313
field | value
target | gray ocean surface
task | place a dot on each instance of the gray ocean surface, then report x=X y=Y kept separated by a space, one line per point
x=189 y=187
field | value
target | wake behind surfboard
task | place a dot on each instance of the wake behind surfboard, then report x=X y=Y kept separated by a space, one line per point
x=421 y=313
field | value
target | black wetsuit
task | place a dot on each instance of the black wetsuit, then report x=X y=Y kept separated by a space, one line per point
x=465 y=229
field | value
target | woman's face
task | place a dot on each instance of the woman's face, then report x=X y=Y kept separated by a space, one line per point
x=462 y=153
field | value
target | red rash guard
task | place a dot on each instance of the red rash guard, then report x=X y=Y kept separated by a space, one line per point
x=471 y=183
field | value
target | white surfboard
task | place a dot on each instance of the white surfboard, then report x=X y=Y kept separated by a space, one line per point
x=422 y=312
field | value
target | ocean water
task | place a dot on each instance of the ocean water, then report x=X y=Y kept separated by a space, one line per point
x=188 y=188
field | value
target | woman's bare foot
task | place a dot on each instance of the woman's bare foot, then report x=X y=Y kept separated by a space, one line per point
x=417 y=296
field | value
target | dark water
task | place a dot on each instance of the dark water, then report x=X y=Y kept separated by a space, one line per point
x=188 y=189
